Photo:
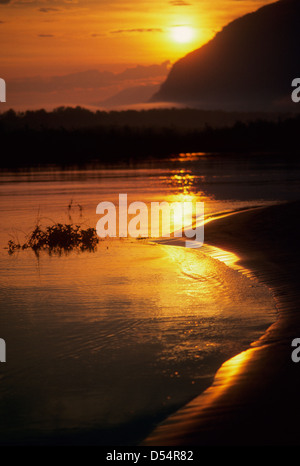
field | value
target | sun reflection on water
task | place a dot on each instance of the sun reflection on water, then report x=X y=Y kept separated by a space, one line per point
x=184 y=189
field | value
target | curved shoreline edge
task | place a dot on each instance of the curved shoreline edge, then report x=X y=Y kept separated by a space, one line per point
x=254 y=398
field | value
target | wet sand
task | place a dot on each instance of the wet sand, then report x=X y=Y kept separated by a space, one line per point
x=254 y=400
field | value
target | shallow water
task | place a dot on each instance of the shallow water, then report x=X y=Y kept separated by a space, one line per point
x=101 y=346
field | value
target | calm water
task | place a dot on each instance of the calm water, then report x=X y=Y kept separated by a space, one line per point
x=101 y=346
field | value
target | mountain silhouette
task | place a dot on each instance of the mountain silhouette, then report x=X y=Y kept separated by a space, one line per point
x=249 y=65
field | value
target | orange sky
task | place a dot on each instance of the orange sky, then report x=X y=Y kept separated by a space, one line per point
x=42 y=37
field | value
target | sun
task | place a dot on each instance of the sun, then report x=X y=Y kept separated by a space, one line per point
x=183 y=34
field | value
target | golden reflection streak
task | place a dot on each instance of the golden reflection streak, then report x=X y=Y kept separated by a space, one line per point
x=183 y=183
x=228 y=258
x=229 y=376
x=188 y=262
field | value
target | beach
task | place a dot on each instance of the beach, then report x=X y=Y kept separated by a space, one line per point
x=254 y=398
x=151 y=326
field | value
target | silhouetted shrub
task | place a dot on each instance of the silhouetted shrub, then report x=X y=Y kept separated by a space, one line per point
x=58 y=238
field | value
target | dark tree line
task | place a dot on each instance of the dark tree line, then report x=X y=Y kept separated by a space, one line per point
x=79 y=117
x=24 y=144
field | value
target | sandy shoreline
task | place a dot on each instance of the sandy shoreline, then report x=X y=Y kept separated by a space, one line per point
x=254 y=399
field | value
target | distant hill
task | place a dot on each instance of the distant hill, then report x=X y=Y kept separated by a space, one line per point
x=248 y=66
x=130 y=96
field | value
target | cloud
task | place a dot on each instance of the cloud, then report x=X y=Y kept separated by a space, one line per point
x=4 y=2
x=91 y=79
x=46 y=35
x=48 y=10
x=179 y=3
x=85 y=87
x=125 y=31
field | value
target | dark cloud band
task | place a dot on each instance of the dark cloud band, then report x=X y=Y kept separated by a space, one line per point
x=124 y=31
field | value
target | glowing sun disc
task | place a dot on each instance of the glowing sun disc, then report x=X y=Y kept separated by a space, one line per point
x=182 y=34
